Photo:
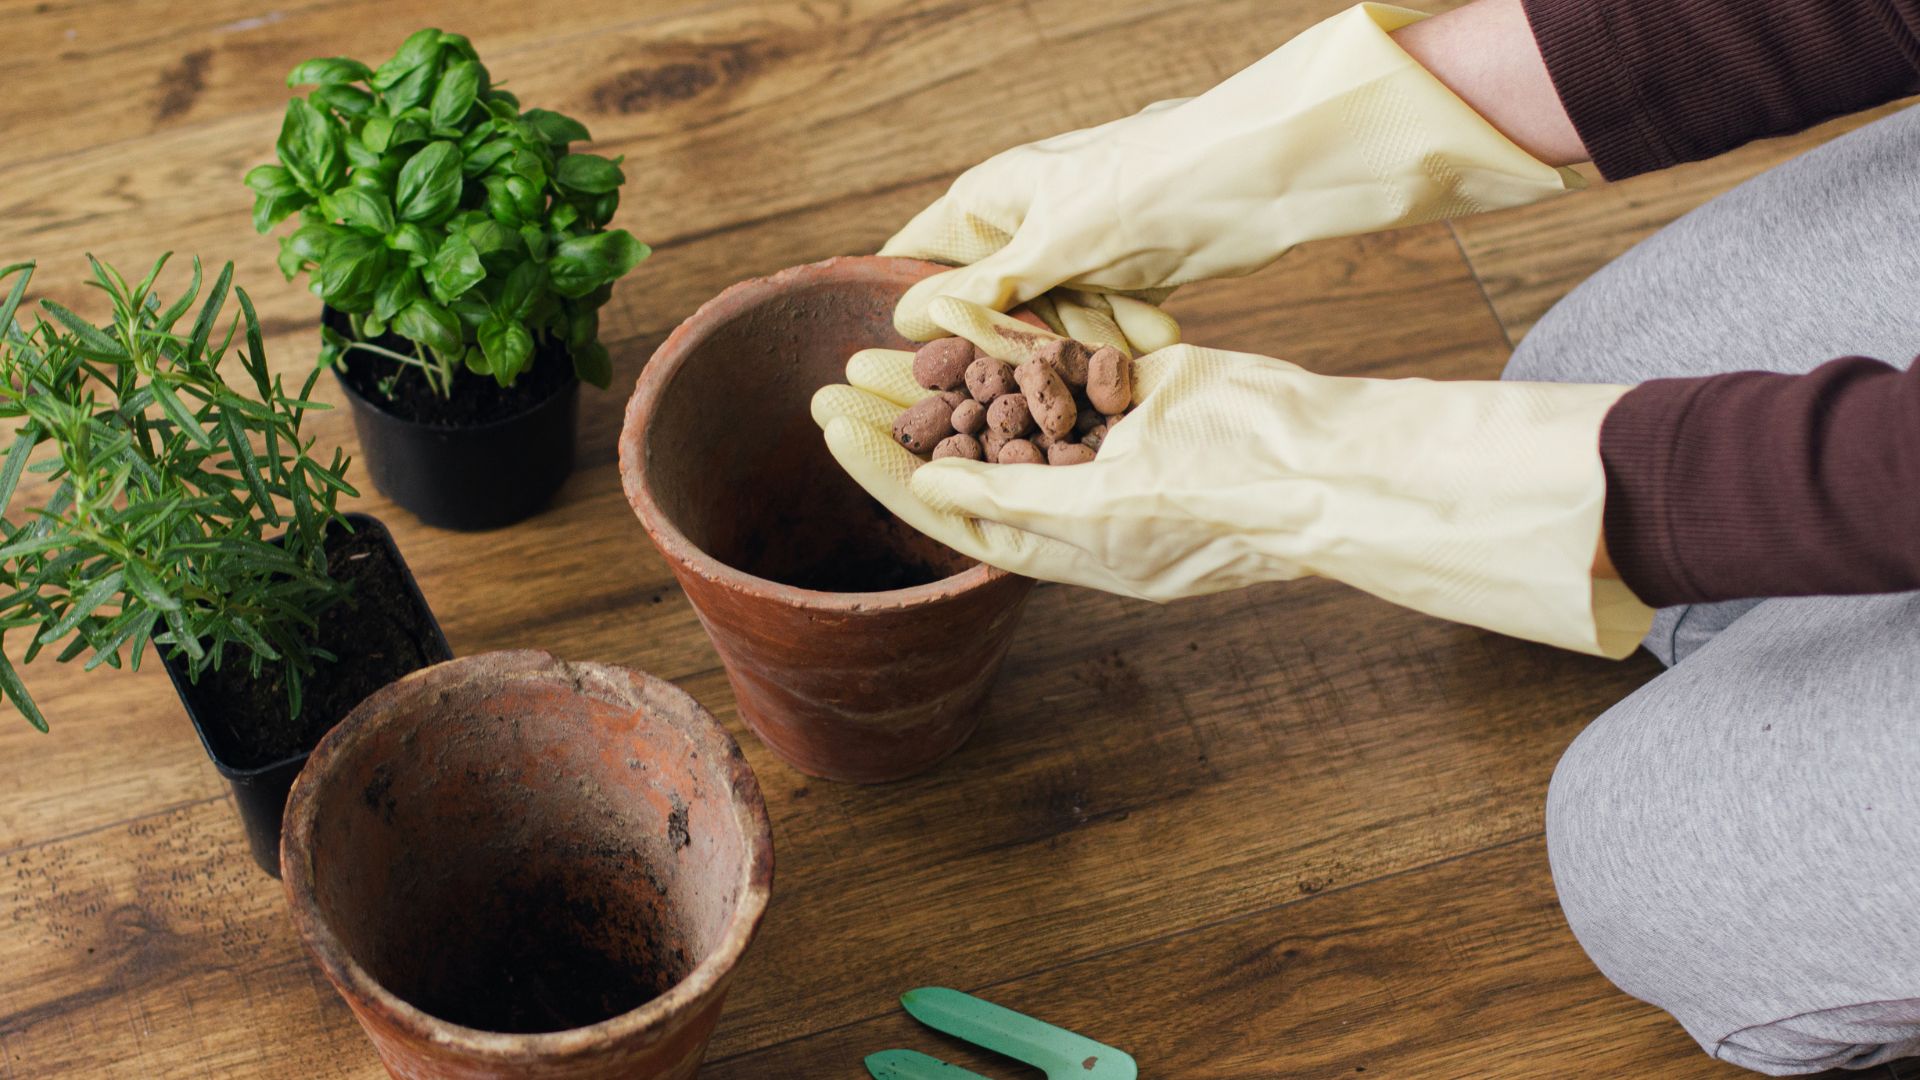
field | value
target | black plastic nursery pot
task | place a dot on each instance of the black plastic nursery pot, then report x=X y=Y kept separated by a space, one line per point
x=260 y=788
x=468 y=476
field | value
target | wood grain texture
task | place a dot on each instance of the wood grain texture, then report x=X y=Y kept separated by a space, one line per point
x=1438 y=972
x=1291 y=831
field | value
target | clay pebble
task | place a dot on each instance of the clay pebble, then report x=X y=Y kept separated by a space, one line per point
x=941 y=364
x=988 y=379
x=969 y=417
x=1057 y=408
x=961 y=446
x=1065 y=453
x=1047 y=397
x=1067 y=358
x=921 y=428
x=1008 y=415
x=1110 y=381
x=990 y=445
x=1020 y=452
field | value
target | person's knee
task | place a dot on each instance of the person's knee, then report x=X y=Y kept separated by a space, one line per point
x=1662 y=928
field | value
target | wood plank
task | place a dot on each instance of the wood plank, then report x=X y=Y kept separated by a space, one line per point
x=1439 y=972
x=1529 y=257
x=155 y=949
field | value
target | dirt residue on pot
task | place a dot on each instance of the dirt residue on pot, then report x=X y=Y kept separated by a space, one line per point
x=539 y=952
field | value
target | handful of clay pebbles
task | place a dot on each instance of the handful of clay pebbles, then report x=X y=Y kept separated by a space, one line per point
x=1054 y=409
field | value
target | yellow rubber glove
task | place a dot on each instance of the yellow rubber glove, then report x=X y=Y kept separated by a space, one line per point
x=1478 y=502
x=1336 y=133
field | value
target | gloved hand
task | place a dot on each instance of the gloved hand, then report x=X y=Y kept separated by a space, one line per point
x=1478 y=502
x=1338 y=132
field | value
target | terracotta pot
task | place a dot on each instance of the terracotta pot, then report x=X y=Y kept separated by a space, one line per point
x=858 y=649
x=500 y=861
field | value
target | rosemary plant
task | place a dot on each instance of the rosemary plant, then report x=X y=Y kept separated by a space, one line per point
x=161 y=483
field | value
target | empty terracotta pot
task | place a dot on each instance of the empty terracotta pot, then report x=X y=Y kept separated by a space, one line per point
x=858 y=649
x=512 y=866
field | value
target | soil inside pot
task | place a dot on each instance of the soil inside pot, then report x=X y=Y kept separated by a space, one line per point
x=378 y=632
x=475 y=400
x=542 y=958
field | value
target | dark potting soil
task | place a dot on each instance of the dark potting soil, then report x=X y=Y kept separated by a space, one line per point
x=475 y=399
x=378 y=632
x=546 y=960
x=862 y=548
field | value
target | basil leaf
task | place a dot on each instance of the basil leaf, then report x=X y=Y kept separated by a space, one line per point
x=477 y=362
x=396 y=291
x=350 y=272
x=328 y=70
x=377 y=133
x=349 y=101
x=419 y=48
x=412 y=88
x=429 y=183
x=508 y=347
x=271 y=210
x=414 y=240
x=583 y=328
x=589 y=174
x=271 y=180
x=516 y=296
x=486 y=156
x=458 y=89
x=454 y=269
x=500 y=200
x=593 y=365
x=363 y=209
x=536 y=240
x=583 y=264
x=431 y=325
x=309 y=145
x=500 y=248
x=555 y=128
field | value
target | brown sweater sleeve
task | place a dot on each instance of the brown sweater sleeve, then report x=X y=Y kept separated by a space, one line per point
x=1652 y=83
x=1746 y=484
x=1758 y=484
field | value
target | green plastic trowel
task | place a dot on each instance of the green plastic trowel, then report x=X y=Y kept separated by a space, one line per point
x=1061 y=1054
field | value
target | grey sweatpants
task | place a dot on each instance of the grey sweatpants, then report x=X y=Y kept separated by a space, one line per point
x=1738 y=842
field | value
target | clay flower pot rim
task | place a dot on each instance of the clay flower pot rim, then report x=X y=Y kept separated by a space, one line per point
x=654 y=379
x=750 y=810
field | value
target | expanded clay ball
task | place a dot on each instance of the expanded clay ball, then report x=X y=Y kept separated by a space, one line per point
x=962 y=446
x=988 y=379
x=990 y=445
x=1067 y=358
x=1047 y=397
x=921 y=428
x=1020 y=452
x=1066 y=453
x=970 y=417
x=1057 y=408
x=1110 y=381
x=1008 y=415
x=941 y=364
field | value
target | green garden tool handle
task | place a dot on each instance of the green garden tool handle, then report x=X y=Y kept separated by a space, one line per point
x=913 y=1065
x=1061 y=1054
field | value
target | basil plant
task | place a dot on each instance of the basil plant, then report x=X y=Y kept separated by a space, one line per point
x=433 y=208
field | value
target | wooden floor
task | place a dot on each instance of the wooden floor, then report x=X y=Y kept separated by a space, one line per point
x=1286 y=832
